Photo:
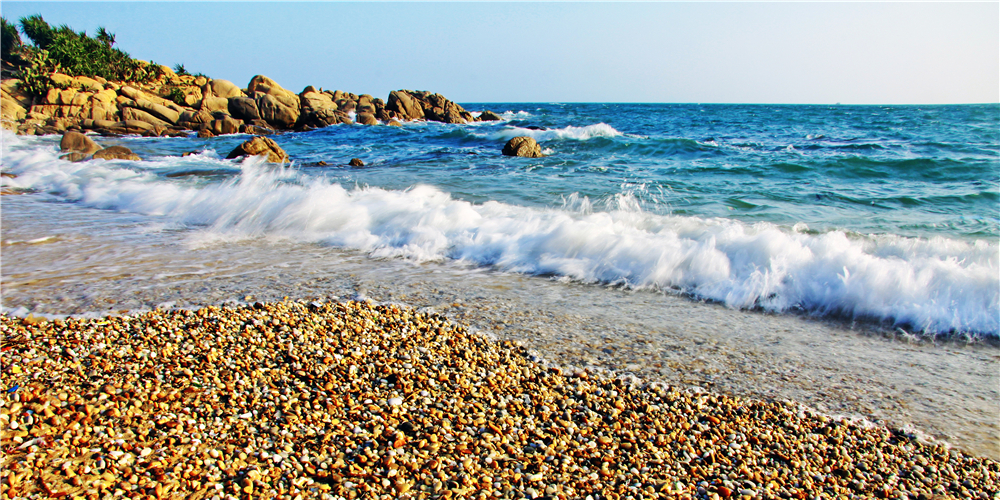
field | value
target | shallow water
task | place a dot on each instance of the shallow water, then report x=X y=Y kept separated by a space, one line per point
x=60 y=258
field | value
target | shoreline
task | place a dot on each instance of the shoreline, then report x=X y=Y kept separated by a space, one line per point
x=833 y=368
x=352 y=398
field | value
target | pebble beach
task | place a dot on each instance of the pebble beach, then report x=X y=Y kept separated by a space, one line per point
x=298 y=399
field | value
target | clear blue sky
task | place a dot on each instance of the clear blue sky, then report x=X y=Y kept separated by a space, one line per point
x=875 y=53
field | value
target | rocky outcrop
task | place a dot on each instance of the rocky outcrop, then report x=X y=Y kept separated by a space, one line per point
x=173 y=104
x=523 y=146
x=116 y=153
x=410 y=105
x=260 y=146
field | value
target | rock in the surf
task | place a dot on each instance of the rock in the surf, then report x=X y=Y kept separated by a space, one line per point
x=116 y=153
x=356 y=162
x=260 y=146
x=77 y=142
x=489 y=116
x=367 y=119
x=523 y=146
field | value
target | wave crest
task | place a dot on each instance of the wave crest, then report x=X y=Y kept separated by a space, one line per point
x=935 y=285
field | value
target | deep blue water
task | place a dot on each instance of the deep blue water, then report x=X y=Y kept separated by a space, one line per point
x=889 y=213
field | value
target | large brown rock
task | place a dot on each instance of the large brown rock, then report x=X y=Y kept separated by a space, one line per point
x=224 y=89
x=196 y=117
x=311 y=100
x=11 y=109
x=116 y=153
x=523 y=146
x=75 y=141
x=158 y=110
x=276 y=112
x=419 y=105
x=405 y=105
x=212 y=104
x=366 y=119
x=489 y=116
x=225 y=125
x=130 y=113
x=243 y=108
x=260 y=146
x=265 y=85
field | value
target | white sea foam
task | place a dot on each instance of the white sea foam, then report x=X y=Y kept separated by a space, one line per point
x=933 y=285
x=570 y=132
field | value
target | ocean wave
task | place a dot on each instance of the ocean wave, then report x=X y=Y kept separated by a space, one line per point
x=575 y=133
x=935 y=285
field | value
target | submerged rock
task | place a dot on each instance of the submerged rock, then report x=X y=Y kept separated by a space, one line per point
x=116 y=153
x=523 y=146
x=356 y=162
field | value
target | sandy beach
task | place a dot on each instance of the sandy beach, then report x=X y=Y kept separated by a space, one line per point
x=356 y=400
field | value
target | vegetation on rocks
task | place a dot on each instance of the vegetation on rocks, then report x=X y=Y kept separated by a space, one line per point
x=60 y=49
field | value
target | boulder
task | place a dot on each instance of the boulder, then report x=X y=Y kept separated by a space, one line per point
x=205 y=132
x=265 y=85
x=87 y=84
x=419 y=105
x=243 y=108
x=347 y=105
x=10 y=109
x=489 y=116
x=212 y=104
x=196 y=117
x=403 y=103
x=130 y=125
x=158 y=110
x=130 y=113
x=276 y=112
x=395 y=123
x=356 y=162
x=366 y=119
x=255 y=130
x=225 y=125
x=116 y=153
x=260 y=146
x=225 y=89
x=75 y=141
x=61 y=80
x=316 y=101
x=523 y=146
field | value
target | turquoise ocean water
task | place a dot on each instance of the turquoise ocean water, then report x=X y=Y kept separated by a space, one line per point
x=883 y=214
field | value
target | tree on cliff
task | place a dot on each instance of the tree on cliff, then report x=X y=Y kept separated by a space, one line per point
x=11 y=39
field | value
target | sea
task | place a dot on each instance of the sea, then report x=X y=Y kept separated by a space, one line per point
x=844 y=257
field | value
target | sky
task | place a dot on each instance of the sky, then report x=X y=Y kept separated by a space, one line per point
x=674 y=52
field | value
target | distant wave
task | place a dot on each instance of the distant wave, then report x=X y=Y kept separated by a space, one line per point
x=935 y=285
x=570 y=132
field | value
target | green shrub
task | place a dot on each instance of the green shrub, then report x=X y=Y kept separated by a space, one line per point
x=63 y=50
x=177 y=95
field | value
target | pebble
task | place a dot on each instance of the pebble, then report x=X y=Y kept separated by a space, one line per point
x=285 y=399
